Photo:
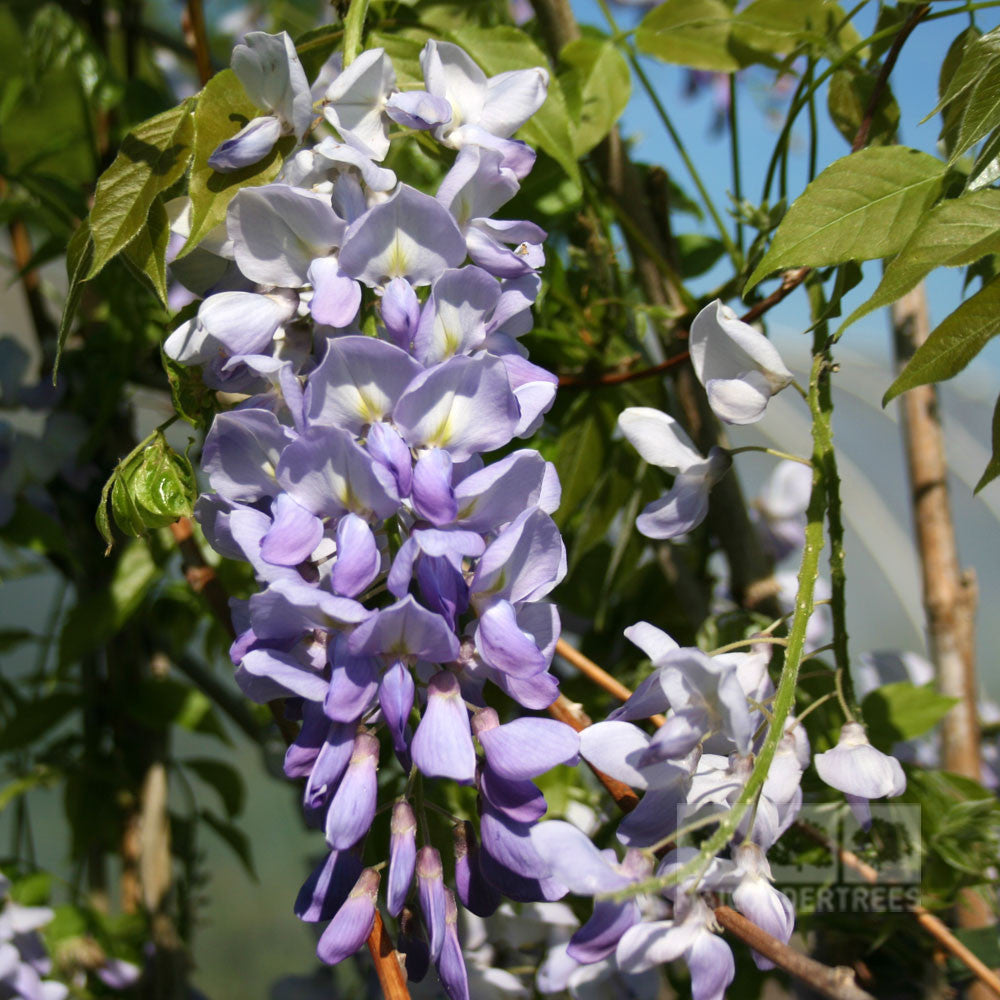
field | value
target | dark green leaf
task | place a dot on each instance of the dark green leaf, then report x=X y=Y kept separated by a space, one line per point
x=11 y=638
x=234 y=837
x=596 y=82
x=951 y=111
x=161 y=703
x=897 y=712
x=32 y=890
x=993 y=468
x=581 y=452
x=316 y=45
x=954 y=343
x=148 y=251
x=79 y=255
x=697 y=253
x=223 y=109
x=862 y=206
x=35 y=718
x=224 y=778
x=955 y=232
x=153 y=156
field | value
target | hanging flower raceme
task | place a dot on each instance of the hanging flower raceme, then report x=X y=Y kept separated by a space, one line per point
x=397 y=573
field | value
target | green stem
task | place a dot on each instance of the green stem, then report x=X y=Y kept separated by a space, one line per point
x=353 y=26
x=784 y=698
x=727 y=240
x=734 y=152
x=770 y=451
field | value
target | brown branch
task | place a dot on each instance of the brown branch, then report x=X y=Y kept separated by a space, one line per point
x=836 y=982
x=598 y=675
x=861 y=138
x=196 y=36
x=949 y=594
x=388 y=968
x=617 y=378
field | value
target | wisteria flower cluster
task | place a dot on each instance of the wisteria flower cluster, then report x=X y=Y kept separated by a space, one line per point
x=398 y=573
x=24 y=959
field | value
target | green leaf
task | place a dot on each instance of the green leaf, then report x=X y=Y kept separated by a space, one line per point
x=596 y=83
x=153 y=156
x=862 y=206
x=234 y=837
x=164 y=702
x=955 y=232
x=32 y=890
x=79 y=255
x=223 y=109
x=403 y=47
x=693 y=33
x=780 y=26
x=954 y=343
x=224 y=778
x=35 y=718
x=951 y=108
x=41 y=776
x=581 y=451
x=11 y=638
x=986 y=167
x=847 y=101
x=993 y=468
x=316 y=45
x=503 y=48
x=698 y=253
x=148 y=251
x=897 y=712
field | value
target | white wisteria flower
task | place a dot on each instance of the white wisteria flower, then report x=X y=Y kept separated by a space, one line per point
x=738 y=366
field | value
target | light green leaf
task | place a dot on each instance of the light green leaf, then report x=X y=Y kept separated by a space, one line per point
x=693 y=33
x=902 y=711
x=955 y=232
x=42 y=775
x=862 y=206
x=954 y=343
x=596 y=82
x=951 y=109
x=780 y=26
x=847 y=101
x=502 y=48
x=147 y=253
x=79 y=255
x=234 y=837
x=223 y=109
x=193 y=400
x=993 y=468
x=403 y=47
x=153 y=156
x=986 y=168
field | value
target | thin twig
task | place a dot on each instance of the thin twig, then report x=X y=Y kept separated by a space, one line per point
x=387 y=965
x=598 y=675
x=196 y=36
x=861 y=138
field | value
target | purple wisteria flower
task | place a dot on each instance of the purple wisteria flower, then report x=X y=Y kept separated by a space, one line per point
x=371 y=328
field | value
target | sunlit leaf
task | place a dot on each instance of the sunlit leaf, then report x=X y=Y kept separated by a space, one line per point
x=596 y=82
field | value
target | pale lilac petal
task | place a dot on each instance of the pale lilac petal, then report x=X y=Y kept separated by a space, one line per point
x=510 y=862
x=418 y=109
x=252 y=143
x=464 y=405
x=615 y=748
x=405 y=628
x=679 y=511
x=245 y=322
x=400 y=312
x=536 y=692
x=573 y=859
x=430 y=885
x=353 y=683
x=856 y=768
x=356 y=99
x=396 y=693
x=528 y=747
x=241 y=452
x=433 y=497
x=678 y=736
x=512 y=98
x=451 y=962
x=599 y=936
x=476 y=186
x=516 y=156
x=519 y=801
x=347 y=932
x=330 y=764
x=266 y=674
x=504 y=645
x=358 y=382
x=768 y=908
x=442 y=745
x=353 y=807
x=358 y=559
x=712 y=967
x=450 y=73
x=376 y=178
x=658 y=813
x=293 y=535
x=402 y=856
x=272 y=75
x=336 y=298
x=328 y=474
x=388 y=449
x=410 y=235
x=488 y=252
x=277 y=232
x=453 y=320
x=649 y=944
x=497 y=494
x=301 y=755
